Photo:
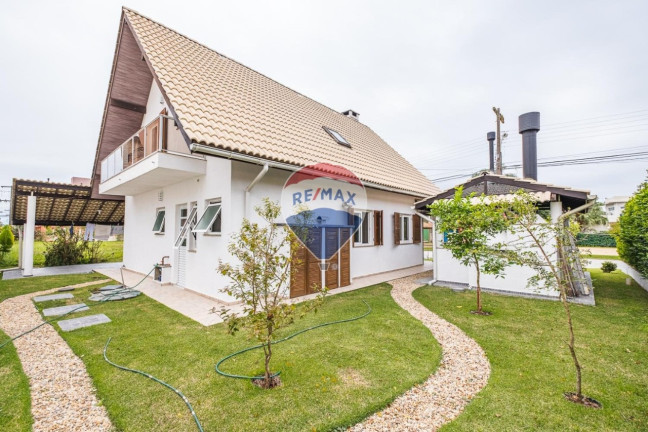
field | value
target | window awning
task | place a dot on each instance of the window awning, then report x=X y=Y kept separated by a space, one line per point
x=63 y=204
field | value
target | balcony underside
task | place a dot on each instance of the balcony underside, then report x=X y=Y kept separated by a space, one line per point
x=153 y=172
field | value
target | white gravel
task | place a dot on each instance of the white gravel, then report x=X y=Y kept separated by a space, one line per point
x=63 y=398
x=463 y=372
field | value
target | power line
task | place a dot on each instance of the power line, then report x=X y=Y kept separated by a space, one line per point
x=620 y=157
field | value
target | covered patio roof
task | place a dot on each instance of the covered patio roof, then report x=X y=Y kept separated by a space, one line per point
x=502 y=186
x=63 y=204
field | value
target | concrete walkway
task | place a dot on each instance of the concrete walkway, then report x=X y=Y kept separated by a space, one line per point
x=198 y=307
x=61 y=270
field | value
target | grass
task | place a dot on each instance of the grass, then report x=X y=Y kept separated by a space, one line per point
x=332 y=377
x=603 y=257
x=15 y=401
x=531 y=366
x=15 y=287
x=112 y=252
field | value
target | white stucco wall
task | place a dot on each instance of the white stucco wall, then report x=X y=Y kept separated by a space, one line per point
x=227 y=180
x=516 y=278
x=154 y=105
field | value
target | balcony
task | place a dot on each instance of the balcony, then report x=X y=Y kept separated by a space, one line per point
x=153 y=157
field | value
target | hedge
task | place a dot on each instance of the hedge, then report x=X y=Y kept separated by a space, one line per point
x=598 y=239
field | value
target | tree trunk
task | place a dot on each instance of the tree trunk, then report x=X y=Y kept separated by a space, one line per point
x=571 y=344
x=268 y=354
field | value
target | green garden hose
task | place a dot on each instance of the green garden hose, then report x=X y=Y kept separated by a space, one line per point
x=118 y=291
x=221 y=361
x=178 y=392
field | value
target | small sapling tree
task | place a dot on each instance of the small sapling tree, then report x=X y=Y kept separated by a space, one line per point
x=260 y=279
x=471 y=225
x=537 y=247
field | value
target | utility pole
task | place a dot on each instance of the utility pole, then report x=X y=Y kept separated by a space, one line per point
x=499 y=120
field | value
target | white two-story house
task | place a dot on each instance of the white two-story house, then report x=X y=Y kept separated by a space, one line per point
x=193 y=141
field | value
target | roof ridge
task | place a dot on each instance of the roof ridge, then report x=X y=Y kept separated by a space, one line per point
x=238 y=62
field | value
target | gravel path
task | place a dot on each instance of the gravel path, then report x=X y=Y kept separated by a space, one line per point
x=463 y=372
x=63 y=398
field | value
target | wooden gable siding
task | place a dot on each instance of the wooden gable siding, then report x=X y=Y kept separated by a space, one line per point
x=129 y=90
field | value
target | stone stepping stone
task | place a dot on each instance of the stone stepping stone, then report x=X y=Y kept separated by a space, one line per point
x=53 y=297
x=64 y=289
x=62 y=310
x=86 y=321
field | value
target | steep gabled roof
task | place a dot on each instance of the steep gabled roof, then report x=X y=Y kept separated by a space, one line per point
x=223 y=104
x=501 y=185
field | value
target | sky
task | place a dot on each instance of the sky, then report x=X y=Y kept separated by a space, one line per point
x=423 y=74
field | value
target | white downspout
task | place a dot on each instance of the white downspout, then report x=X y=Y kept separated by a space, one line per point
x=249 y=188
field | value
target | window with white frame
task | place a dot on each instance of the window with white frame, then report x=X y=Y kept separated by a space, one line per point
x=210 y=221
x=187 y=222
x=158 y=225
x=363 y=235
x=405 y=228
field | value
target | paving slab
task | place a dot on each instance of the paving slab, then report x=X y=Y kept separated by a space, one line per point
x=86 y=321
x=62 y=310
x=53 y=297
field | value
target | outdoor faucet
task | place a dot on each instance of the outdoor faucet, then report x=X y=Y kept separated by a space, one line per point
x=163 y=258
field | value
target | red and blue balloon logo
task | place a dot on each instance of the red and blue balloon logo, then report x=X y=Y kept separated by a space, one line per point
x=319 y=203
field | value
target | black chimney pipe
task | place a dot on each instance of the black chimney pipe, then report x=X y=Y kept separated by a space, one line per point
x=490 y=136
x=529 y=124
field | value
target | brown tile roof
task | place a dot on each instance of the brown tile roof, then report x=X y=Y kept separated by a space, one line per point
x=224 y=104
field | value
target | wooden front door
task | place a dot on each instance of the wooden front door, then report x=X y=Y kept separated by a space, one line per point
x=306 y=275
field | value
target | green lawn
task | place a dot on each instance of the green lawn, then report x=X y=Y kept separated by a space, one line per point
x=112 y=252
x=531 y=366
x=15 y=402
x=332 y=377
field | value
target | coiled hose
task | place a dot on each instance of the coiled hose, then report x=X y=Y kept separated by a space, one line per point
x=221 y=361
x=118 y=291
x=147 y=375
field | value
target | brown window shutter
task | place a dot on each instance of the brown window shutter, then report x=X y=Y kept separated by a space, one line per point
x=416 y=236
x=397 y=230
x=378 y=227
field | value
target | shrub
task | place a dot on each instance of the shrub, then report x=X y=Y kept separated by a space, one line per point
x=65 y=249
x=6 y=241
x=608 y=267
x=597 y=239
x=93 y=252
x=633 y=231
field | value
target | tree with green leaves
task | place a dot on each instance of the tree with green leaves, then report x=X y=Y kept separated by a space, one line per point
x=260 y=278
x=6 y=241
x=595 y=216
x=537 y=247
x=471 y=224
x=632 y=234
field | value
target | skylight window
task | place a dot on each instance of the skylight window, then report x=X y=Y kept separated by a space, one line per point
x=337 y=137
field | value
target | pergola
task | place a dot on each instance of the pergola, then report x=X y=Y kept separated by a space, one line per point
x=60 y=204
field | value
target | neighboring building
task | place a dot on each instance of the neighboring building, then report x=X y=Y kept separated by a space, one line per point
x=614 y=207
x=194 y=141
